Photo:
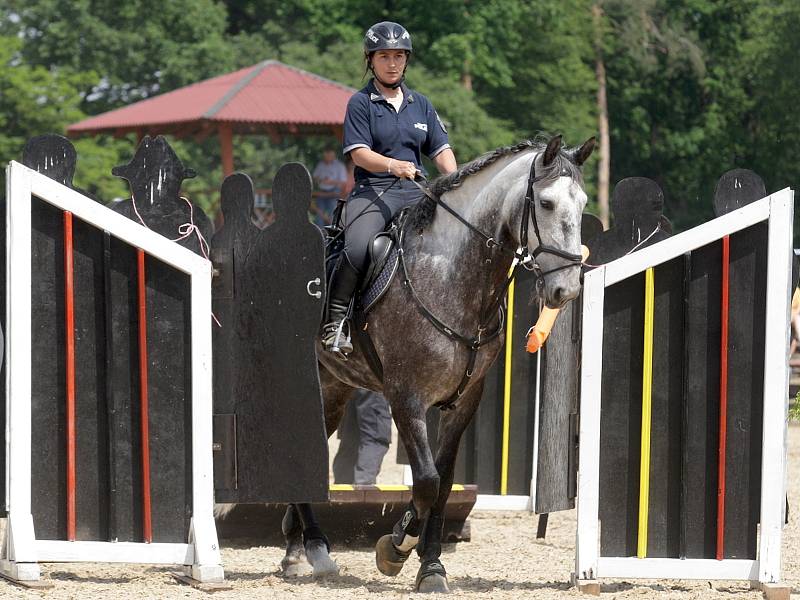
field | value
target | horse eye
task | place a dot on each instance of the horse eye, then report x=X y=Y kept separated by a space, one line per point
x=547 y=204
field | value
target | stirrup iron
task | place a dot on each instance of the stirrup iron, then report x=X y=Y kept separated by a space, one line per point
x=339 y=339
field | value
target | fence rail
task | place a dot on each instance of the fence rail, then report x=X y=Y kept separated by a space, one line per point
x=777 y=210
x=22 y=550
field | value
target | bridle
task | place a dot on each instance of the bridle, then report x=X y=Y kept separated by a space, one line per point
x=522 y=258
x=529 y=213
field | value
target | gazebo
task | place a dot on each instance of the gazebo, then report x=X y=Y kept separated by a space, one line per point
x=269 y=98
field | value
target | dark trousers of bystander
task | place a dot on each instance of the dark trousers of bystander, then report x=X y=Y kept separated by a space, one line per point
x=365 y=434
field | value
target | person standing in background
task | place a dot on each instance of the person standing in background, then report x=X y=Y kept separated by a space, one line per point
x=365 y=434
x=330 y=176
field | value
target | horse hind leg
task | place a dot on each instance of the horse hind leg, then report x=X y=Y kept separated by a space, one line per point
x=317 y=547
x=305 y=543
x=307 y=548
x=294 y=563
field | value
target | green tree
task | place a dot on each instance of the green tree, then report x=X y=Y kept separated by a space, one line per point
x=37 y=100
x=771 y=65
x=694 y=87
x=676 y=96
x=136 y=48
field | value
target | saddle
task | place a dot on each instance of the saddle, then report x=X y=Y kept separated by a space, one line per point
x=381 y=268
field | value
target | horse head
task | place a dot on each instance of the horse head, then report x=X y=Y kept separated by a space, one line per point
x=551 y=184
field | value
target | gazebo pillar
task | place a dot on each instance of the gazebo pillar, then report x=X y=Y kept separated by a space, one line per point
x=226 y=148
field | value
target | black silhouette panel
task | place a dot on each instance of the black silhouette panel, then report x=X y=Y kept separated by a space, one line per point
x=54 y=156
x=746 y=338
x=636 y=205
x=154 y=174
x=556 y=472
x=281 y=445
x=685 y=427
x=229 y=250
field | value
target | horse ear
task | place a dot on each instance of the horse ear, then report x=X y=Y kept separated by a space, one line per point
x=585 y=151
x=553 y=147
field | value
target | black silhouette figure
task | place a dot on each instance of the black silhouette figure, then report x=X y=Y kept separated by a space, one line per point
x=229 y=249
x=636 y=205
x=282 y=451
x=155 y=175
x=737 y=188
x=52 y=155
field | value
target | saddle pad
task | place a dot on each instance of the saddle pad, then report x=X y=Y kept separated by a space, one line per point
x=381 y=283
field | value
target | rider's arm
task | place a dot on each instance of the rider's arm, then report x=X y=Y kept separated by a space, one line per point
x=445 y=161
x=373 y=162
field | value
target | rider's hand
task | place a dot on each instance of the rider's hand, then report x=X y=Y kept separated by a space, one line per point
x=402 y=168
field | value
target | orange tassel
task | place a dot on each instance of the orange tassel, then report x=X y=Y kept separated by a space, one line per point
x=537 y=335
x=539 y=332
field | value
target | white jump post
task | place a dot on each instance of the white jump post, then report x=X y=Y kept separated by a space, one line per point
x=21 y=552
x=777 y=209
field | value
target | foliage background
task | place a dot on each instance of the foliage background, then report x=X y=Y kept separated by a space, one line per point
x=695 y=87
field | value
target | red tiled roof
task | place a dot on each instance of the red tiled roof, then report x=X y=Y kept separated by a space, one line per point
x=251 y=99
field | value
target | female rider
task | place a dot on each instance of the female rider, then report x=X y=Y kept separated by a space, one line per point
x=387 y=127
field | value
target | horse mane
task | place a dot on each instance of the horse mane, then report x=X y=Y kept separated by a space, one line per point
x=421 y=214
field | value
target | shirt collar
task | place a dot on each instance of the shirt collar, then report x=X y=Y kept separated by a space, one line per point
x=376 y=96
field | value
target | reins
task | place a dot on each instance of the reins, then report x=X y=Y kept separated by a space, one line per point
x=521 y=257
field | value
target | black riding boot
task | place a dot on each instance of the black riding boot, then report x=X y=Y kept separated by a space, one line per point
x=336 y=332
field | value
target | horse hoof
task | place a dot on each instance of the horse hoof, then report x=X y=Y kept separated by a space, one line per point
x=432 y=579
x=320 y=560
x=290 y=567
x=388 y=558
x=294 y=563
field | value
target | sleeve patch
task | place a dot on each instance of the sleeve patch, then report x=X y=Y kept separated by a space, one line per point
x=441 y=123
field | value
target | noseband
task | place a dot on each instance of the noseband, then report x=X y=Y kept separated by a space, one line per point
x=522 y=257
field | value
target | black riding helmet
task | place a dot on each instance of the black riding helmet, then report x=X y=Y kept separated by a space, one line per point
x=386 y=35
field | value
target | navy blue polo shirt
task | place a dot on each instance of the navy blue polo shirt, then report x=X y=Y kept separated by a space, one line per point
x=371 y=122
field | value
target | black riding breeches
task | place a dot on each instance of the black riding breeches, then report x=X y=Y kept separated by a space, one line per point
x=369 y=209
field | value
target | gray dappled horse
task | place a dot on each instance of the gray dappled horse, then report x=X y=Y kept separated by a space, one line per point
x=459 y=275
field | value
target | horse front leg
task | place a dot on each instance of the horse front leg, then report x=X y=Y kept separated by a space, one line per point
x=432 y=576
x=392 y=550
